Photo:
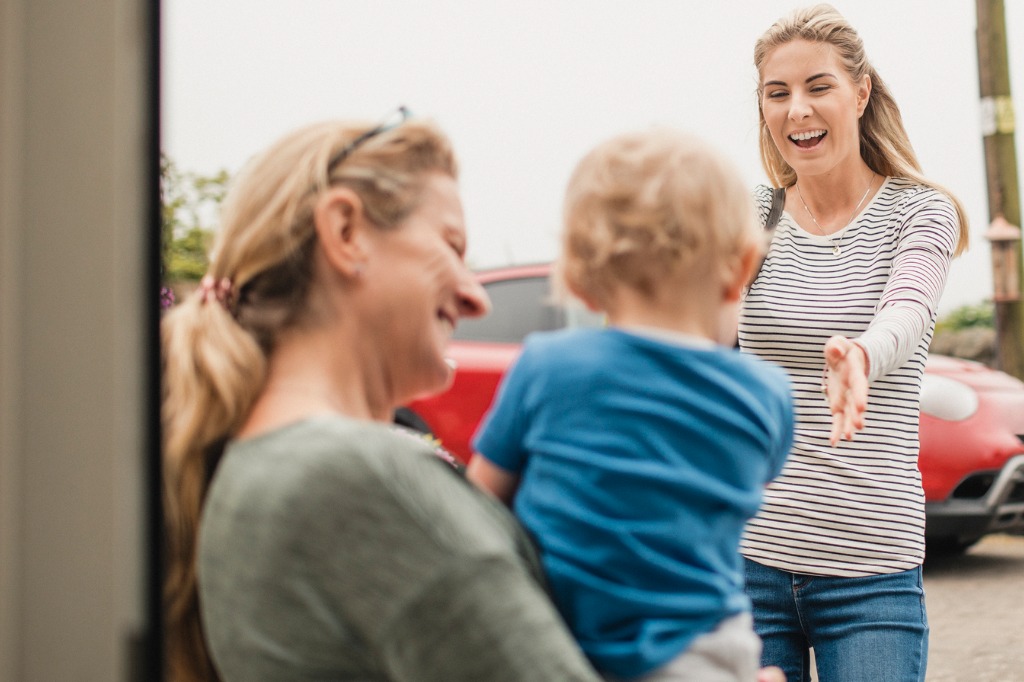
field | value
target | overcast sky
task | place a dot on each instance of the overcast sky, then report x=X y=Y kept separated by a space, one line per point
x=525 y=87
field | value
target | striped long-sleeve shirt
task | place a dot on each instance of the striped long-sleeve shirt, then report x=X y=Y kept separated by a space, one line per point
x=857 y=508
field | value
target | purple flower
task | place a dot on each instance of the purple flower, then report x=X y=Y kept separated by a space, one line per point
x=166 y=298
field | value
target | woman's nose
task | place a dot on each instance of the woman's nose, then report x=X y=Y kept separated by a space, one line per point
x=473 y=300
x=799 y=108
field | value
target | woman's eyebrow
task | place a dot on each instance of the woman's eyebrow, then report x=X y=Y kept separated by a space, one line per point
x=823 y=74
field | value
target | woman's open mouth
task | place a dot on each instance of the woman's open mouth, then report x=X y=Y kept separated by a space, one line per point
x=808 y=138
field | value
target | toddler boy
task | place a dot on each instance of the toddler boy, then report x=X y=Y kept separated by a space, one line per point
x=636 y=453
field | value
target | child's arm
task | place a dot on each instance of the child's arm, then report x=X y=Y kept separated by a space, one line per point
x=491 y=478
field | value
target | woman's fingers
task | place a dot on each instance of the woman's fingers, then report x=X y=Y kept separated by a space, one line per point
x=846 y=387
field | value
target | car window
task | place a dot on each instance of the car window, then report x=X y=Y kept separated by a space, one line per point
x=519 y=307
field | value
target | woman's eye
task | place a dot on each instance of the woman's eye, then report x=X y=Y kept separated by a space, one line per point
x=777 y=94
x=819 y=89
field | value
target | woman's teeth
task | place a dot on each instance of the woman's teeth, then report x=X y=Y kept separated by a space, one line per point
x=807 y=139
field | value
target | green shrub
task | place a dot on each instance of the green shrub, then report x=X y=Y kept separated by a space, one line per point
x=968 y=316
x=190 y=203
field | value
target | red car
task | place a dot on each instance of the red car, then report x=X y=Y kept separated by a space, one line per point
x=972 y=452
x=972 y=417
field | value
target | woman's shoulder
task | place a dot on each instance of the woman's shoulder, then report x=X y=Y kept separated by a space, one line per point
x=310 y=459
x=913 y=204
x=315 y=439
x=905 y=192
x=763 y=197
x=339 y=477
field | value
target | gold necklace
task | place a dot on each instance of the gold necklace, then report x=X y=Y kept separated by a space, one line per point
x=835 y=244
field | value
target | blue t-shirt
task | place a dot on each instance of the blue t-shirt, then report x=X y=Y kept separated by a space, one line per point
x=641 y=461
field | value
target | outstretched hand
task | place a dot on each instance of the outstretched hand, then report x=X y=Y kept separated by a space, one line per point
x=846 y=386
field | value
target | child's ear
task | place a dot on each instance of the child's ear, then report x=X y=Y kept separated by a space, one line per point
x=742 y=269
x=586 y=300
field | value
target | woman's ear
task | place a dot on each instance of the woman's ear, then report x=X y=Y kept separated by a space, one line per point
x=340 y=223
x=863 y=95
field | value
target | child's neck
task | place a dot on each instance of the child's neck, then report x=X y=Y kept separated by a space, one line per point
x=666 y=320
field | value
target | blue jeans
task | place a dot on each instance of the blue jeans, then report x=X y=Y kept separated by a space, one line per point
x=871 y=629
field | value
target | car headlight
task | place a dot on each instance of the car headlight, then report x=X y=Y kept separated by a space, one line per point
x=949 y=399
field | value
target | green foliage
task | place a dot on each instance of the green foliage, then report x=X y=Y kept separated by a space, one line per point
x=185 y=257
x=189 y=204
x=968 y=316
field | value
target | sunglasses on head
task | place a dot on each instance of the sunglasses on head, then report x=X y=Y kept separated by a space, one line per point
x=390 y=122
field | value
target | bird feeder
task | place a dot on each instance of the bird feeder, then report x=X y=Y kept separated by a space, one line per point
x=1005 y=241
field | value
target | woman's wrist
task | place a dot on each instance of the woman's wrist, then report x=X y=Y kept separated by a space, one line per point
x=864 y=352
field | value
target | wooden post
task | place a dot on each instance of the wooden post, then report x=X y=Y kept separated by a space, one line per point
x=1001 y=170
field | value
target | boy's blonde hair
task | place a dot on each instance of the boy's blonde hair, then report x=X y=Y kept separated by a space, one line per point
x=648 y=207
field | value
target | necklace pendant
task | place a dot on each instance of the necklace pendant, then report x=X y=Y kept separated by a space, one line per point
x=836 y=250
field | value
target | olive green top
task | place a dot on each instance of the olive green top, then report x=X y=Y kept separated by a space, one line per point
x=334 y=549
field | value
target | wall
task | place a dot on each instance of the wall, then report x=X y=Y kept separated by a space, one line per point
x=74 y=139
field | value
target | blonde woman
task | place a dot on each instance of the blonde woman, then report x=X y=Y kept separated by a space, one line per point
x=846 y=304
x=308 y=538
x=635 y=453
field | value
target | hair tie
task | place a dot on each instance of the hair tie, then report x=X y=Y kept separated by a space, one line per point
x=221 y=291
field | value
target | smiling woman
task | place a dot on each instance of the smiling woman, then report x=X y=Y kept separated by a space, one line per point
x=846 y=302
x=309 y=539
